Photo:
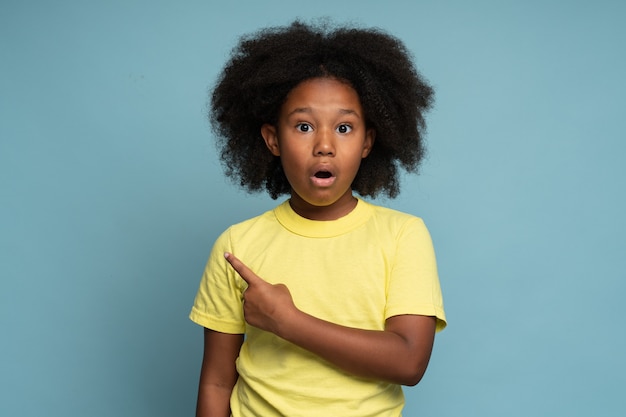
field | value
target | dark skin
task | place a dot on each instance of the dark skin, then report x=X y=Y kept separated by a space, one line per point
x=218 y=374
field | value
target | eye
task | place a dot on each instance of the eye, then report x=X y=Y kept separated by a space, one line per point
x=344 y=128
x=303 y=127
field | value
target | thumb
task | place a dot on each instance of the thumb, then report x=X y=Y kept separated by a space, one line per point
x=244 y=272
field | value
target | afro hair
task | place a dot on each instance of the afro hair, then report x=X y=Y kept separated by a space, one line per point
x=266 y=65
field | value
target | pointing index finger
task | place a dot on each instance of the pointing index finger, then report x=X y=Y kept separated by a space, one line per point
x=244 y=272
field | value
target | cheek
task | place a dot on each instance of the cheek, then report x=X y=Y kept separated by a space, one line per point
x=290 y=164
x=292 y=154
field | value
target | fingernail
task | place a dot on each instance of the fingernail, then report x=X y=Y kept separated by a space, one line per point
x=226 y=255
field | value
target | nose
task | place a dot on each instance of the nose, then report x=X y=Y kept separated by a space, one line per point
x=324 y=145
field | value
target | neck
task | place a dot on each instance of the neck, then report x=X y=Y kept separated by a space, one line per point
x=333 y=211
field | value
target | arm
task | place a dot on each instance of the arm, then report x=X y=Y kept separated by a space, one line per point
x=399 y=354
x=218 y=374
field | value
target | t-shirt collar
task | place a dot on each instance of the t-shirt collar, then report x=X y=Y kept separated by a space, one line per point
x=297 y=224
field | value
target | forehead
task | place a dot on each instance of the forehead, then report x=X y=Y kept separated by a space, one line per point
x=322 y=94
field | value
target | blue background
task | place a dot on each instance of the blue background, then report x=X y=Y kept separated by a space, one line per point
x=111 y=196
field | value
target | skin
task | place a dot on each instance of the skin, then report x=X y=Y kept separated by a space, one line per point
x=218 y=374
x=321 y=128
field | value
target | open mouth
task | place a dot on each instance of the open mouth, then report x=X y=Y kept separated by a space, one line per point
x=323 y=178
x=323 y=174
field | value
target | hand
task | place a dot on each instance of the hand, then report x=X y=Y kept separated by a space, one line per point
x=265 y=305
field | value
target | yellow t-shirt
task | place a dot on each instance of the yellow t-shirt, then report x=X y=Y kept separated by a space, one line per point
x=355 y=271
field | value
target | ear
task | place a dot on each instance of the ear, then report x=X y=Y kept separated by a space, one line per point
x=370 y=136
x=270 y=136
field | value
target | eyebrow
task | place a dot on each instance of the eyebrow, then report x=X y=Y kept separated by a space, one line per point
x=309 y=110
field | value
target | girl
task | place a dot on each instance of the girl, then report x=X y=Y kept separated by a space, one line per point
x=338 y=299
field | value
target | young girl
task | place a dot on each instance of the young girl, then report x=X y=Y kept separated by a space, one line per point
x=338 y=299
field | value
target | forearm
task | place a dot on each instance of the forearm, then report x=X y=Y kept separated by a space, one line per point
x=218 y=374
x=213 y=401
x=388 y=355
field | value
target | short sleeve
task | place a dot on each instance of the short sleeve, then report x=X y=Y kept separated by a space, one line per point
x=413 y=286
x=218 y=303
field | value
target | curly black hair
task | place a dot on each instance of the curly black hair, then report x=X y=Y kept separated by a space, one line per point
x=266 y=65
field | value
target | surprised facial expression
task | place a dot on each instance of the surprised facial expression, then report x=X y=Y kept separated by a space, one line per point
x=320 y=138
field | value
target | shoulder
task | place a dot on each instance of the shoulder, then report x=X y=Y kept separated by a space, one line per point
x=251 y=227
x=394 y=219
